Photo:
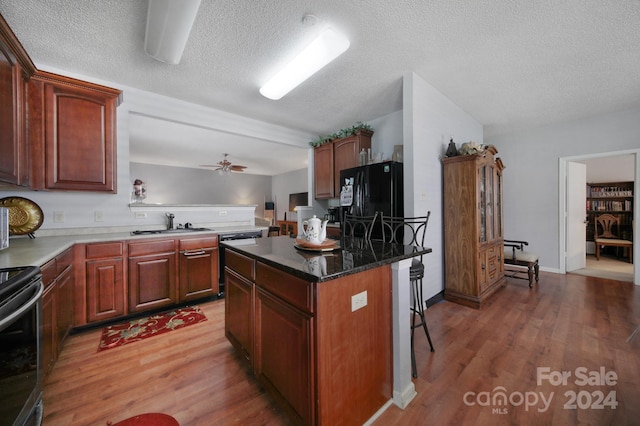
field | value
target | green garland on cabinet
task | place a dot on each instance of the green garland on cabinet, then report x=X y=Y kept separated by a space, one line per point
x=343 y=133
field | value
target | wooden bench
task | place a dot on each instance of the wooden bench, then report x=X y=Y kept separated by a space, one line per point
x=514 y=254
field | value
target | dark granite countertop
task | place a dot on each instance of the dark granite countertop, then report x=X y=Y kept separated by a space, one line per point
x=353 y=255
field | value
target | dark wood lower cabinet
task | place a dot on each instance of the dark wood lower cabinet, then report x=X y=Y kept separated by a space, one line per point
x=199 y=276
x=152 y=281
x=48 y=328
x=57 y=306
x=284 y=355
x=64 y=303
x=105 y=289
x=238 y=327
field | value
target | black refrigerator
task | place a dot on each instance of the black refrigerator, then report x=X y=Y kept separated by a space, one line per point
x=376 y=188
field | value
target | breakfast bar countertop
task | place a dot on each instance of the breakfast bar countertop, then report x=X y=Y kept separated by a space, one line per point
x=350 y=257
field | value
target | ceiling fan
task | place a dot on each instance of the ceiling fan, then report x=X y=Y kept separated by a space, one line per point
x=225 y=167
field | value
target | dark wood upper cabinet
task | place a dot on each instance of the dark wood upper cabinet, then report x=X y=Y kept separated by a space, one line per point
x=333 y=157
x=72 y=130
x=56 y=133
x=15 y=69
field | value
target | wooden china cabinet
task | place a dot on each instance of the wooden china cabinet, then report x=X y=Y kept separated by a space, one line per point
x=473 y=227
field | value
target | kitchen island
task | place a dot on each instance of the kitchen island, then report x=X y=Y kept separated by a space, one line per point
x=327 y=333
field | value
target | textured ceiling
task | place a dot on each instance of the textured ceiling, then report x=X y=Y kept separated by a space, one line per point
x=508 y=63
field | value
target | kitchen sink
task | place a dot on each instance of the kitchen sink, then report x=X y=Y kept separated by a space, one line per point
x=169 y=231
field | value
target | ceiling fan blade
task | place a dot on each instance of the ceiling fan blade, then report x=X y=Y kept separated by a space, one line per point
x=237 y=168
x=209 y=165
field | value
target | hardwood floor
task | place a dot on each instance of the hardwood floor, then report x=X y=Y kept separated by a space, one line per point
x=564 y=323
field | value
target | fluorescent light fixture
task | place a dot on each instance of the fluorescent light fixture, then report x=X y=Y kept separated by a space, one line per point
x=324 y=49
x=169 y=23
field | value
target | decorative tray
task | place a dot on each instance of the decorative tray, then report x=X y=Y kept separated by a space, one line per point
x=326 y=245
x=25 y=216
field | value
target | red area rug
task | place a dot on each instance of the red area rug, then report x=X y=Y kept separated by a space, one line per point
x=154 y=325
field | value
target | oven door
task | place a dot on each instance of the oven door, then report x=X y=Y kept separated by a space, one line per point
x=20 y=359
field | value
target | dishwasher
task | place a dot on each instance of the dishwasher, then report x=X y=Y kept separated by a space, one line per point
x=235 y=236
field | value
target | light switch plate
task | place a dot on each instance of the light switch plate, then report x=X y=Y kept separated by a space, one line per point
x=358 y=301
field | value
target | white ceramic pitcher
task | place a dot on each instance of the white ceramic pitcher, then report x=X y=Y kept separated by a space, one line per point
x=315 y=230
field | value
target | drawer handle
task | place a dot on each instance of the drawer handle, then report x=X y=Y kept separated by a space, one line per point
x=484 y=266
x=193 y=252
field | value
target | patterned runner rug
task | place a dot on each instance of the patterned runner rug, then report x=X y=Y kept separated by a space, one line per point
x=142 y=328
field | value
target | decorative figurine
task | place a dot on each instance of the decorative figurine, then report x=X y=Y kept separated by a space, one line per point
x=452 y=151
x=139 y=191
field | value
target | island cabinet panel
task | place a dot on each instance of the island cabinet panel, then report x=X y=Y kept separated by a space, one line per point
x=238 y=325
x=354 y=354
x=105 y=284
x=152 y=275
x=198 y=268
x=284 y=355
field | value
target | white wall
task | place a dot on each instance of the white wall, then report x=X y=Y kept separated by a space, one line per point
x=181 y=185
x=430 y=119
x=531 y=182
x=285 y=184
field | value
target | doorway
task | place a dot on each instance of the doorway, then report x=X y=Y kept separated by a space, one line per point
x=604 y=167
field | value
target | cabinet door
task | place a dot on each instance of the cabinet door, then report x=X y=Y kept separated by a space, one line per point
x=345 y=152
x=324 y=175
x=238 y=313
x=64 y=304
x=152 y=281
x=79 y=141
x=283 y=354
x=198 y=274
x=13 y=160
x=105 y=289
x=49 y=328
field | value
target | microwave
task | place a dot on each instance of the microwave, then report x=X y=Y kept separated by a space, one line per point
x=4 y=228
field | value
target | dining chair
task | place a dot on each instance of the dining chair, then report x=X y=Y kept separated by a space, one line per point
x=358 y=226
x=607 y=233
x=411 y=231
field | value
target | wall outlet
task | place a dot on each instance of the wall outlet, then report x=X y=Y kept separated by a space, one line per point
x=58 y=217
x=140 y=215
x=222 y=213
x=98 y=216
x=358 y=301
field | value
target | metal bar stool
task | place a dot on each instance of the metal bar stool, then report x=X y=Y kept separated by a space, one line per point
x=411 y=231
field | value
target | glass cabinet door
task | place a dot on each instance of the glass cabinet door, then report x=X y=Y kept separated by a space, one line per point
x=491 y=234
x=488 y=191
x=482 y=202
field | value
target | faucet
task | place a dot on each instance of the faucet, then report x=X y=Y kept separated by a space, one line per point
x=170 y=217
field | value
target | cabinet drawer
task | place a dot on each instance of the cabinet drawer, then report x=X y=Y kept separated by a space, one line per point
x=49 y=272
x=294 y=290
x=199 y=243
x=151 y=247
x=64 y=260
x=103 y=250
x=241 y=264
